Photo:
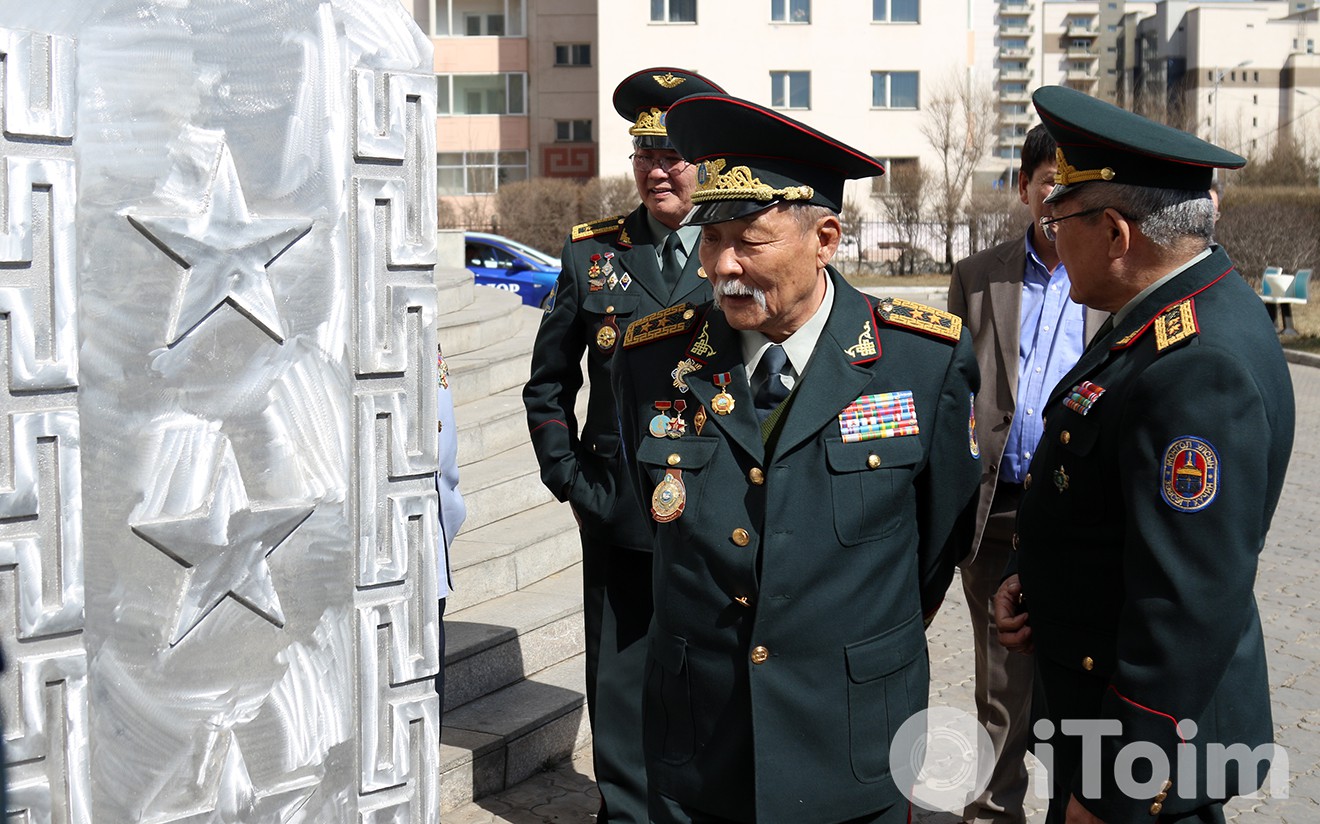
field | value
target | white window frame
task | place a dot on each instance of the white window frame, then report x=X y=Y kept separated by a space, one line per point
x=793 y=12
x=571 y=126
x=515 y=91
x=887 y=16
x=441 y=19
x=576 y=52
x=880 y=186
x=473 y=163
x=888 y=75
x=782 y=87
x=662 y=12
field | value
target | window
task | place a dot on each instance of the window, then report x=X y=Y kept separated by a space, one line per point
x=896 y=11
x=572 y=131
x=897 y=169
x=1255 y=77
x=481 y=93
x=478 y=173
x=490 y=18
x=790 y=90
x=790 y=11
x=893 y=90
x=572 y=54
x=673 y=11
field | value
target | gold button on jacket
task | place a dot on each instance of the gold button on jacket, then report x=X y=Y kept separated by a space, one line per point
x=756 y=475
x=740 y=537
x=759 y=655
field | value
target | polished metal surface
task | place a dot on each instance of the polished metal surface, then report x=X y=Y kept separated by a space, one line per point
x=217 y=510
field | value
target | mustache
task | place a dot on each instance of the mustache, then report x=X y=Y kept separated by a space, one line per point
x=737 y=289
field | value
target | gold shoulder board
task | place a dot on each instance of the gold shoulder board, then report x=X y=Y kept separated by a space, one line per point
x=1175 y=325
x=922 y=318
x=606 y=226
x=659 y=325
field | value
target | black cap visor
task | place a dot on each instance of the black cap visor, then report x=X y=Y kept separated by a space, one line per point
x=719 y=211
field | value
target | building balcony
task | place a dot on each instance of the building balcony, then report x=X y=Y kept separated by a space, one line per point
x=1014 y=119
x=1083 y=30
x=1013 y=28
x=1015 y=10
x=1076 y=53
x=1017 y=54
x=1080 y=76
x=1014 y=96
x=1010 y=140
x=1014 y=75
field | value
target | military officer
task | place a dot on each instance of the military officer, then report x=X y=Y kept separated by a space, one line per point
x=1151 y=491
x=615 y=270
x=803 y=453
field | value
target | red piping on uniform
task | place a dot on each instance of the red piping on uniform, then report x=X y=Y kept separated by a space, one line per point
x=1151 y=711
x=547 y=423
x=1136 y=335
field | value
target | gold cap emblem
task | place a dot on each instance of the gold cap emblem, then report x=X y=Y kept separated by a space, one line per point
x=713 y=183
x=668 y=80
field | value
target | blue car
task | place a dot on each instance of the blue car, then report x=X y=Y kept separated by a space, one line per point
x=512 y=266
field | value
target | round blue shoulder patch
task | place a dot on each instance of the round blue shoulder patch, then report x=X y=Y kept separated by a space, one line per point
x=1190 y=475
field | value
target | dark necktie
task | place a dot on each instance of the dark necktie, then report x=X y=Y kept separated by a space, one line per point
x=769 y=381
x=670 y=266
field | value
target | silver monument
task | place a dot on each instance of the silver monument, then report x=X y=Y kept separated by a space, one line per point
x=217 y=504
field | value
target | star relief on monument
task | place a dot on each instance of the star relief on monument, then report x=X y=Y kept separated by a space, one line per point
x=225 y=545
x=237 y=801
x=225 y=251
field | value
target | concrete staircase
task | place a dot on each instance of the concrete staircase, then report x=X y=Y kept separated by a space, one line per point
x=514 y=699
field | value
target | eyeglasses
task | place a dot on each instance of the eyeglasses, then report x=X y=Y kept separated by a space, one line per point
x=669 y=165
x=1047 y=223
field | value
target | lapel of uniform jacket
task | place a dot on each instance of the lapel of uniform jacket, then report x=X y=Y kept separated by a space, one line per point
x=1005 y=295
x=1138 y=322
x=692 y=279
x=838 y=371
x=638 y=259
x=717 y=348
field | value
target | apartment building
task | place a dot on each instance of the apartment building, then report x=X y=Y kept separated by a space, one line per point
x=524 y=85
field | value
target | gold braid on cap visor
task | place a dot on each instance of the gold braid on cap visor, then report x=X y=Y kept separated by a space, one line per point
x=1066 y=174
x=713 y=183
x=650 y=122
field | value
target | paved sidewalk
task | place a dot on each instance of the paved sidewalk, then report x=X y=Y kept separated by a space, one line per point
x=1288 y=591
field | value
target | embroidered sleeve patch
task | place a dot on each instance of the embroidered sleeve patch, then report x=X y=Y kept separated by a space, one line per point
x=583 y=231
x=910 y=315
x=1190 y=475
x=886 y=415
x=659 y=325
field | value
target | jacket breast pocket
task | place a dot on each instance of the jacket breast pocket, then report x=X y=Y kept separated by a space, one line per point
x=690 y=453
x=888 y=682
x=869 y=483
x=668 y=727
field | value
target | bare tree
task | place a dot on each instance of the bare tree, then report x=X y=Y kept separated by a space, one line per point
x=852 y=219
x=959 y=123
x=905 y=206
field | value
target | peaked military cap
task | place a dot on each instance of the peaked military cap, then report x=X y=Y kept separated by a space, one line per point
x=1099 y=141
x=752 y=157
x=643 y=98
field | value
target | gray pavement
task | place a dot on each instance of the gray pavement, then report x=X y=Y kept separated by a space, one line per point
x=1287 y=589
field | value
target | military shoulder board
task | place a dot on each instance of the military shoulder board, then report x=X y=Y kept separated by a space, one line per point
x=1175 y=325
x=659 y=325
x=608 y=225
x=910 y=315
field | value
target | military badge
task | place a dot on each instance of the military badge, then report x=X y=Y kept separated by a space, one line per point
x=550 y=301
x=1190 y=475
x=1083 y=396
x=723 y=403
x=699 y=419
x=669 y=497
x=865 y=346
x=625 y=281
x=606 y=337
x=1175 y=325
x=659 y=325
x=972 y=445
x=886 y=415
x=607 y=268
x=910 y=315
x=1061 y=479
x=685 y=367
x=593 y=271
x=702 y=347
x=596 y=284
x=659 y=425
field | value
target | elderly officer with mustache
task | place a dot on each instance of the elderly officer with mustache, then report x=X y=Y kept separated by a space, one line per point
x=806 y=456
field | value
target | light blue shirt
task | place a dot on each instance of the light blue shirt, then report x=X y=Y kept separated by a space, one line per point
x=1051 y=338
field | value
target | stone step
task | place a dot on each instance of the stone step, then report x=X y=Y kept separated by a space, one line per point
x=503 y=739
x=455 y=289
x=500 y=641
x=490 y=425
x=501 y=485
x=494 y=368
x=489 y=318
x=512 y=553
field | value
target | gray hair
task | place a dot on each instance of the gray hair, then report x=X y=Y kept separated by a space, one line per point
x=808 y=215
x=1167 y=217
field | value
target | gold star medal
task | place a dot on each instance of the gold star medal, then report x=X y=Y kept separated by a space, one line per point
x=723 y=403
x=608 y=334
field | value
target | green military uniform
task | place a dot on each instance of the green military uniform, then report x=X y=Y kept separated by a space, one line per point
x=794 y=565
x=1147 y=505
x=611 y=276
